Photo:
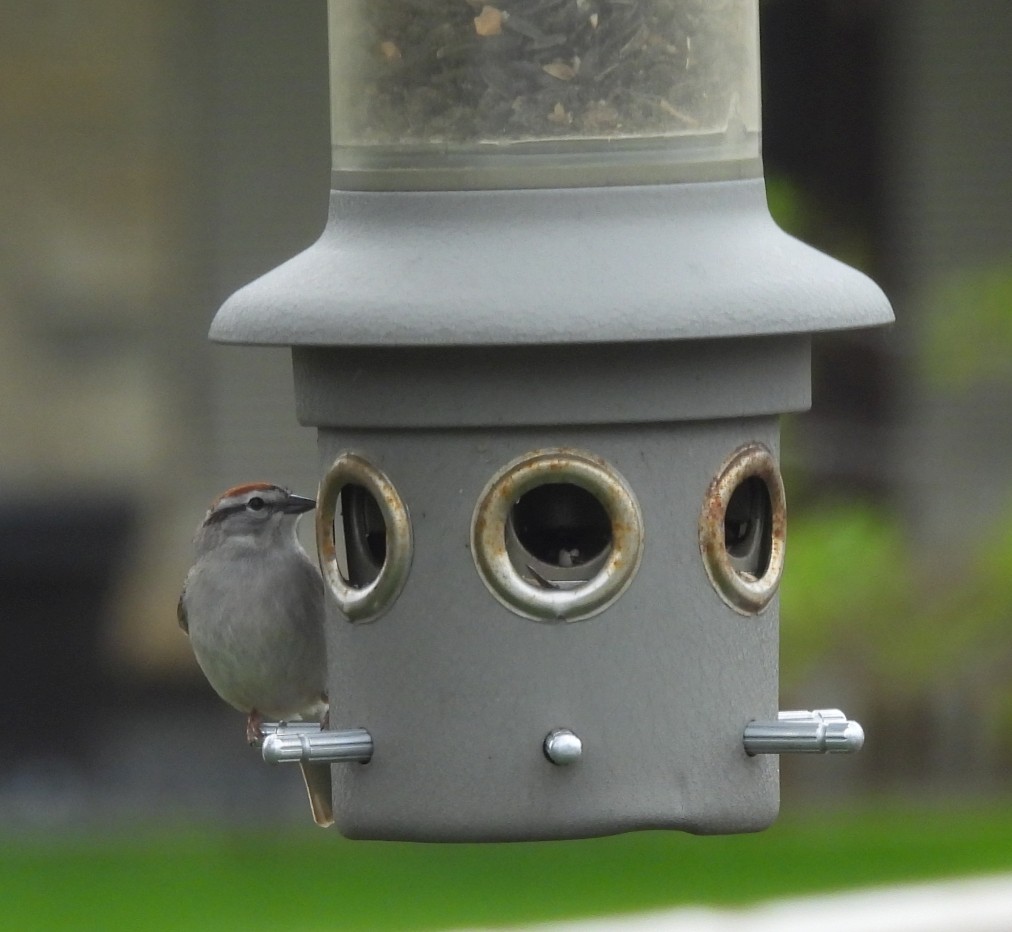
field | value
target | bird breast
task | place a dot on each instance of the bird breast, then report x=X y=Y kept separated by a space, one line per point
x=260 y=639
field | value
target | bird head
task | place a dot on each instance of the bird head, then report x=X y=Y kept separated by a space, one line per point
x=257 y=512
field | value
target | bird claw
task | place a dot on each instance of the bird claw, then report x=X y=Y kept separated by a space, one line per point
x=254 y=731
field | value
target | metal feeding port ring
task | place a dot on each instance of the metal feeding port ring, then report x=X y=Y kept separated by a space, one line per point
x=376 y=532
x=743 y=528
x=557 y=535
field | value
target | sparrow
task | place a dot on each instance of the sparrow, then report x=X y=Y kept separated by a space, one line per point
x=253 y=607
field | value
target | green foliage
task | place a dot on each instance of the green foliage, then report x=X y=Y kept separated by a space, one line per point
x=967 y=625
x=968 y=330
x=851 y=589
x=312 y=880
x=847 y=586
x=798 y=212
x=974 y=610
x=787 y=205
x=908 y=620
x=966 y=358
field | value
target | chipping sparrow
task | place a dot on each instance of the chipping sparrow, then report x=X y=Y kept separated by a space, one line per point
x=252 y=605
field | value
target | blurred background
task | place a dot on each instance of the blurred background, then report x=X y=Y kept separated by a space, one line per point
x=157 y=154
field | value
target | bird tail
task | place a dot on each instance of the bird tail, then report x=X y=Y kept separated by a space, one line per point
x=318 y=786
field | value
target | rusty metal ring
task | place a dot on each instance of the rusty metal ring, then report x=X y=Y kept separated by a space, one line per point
x=370 y=601
x=497 y=568
x=745 y=593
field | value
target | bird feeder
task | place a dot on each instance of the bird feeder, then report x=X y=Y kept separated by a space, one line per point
x=545 y=339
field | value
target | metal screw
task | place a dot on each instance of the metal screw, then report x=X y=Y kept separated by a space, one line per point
x=563 y=747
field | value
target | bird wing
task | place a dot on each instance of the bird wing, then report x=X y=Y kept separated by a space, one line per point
x=181 y=611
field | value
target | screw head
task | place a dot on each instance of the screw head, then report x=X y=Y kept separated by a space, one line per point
x=563 y=747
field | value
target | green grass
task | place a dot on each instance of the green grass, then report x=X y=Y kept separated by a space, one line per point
x=314 y=880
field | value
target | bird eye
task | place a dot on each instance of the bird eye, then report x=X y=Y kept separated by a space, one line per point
x=255 y=503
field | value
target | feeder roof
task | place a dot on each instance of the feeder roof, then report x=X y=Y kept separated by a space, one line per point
x=561 y=266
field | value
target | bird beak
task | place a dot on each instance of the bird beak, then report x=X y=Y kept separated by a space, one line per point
x=296 y=504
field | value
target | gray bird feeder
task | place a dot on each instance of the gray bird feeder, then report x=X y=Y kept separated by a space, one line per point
x=545 y=339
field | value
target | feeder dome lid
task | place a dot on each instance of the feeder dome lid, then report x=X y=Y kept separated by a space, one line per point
x=616 y=264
